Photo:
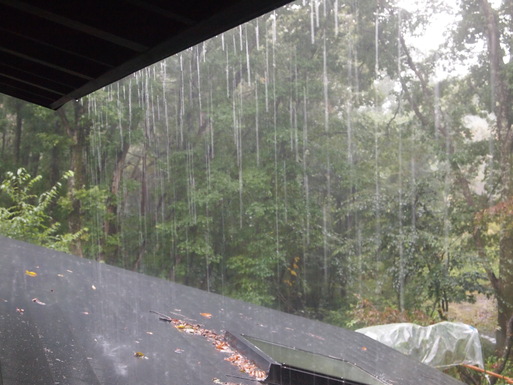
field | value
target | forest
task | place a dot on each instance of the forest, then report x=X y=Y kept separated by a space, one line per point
x=330 y=159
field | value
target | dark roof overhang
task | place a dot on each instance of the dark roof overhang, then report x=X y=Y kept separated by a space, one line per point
x=55 y=51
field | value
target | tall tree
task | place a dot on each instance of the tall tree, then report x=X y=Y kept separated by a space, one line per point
x=480 y=22
x=77 y=129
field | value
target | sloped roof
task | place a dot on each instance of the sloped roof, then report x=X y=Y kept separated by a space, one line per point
x=59 y=50
x=66 y=320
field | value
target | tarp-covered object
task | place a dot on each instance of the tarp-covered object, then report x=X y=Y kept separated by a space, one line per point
x=441 y=345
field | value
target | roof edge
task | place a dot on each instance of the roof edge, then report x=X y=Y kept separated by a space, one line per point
x=202 y=31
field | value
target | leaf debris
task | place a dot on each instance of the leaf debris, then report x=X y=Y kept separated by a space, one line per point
x=35 y=300
x=237 y=359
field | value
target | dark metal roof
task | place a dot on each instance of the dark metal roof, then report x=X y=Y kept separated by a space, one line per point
x=67 y=320
x=55 y=51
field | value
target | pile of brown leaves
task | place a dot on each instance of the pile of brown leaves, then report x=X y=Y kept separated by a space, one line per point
x=235 y=358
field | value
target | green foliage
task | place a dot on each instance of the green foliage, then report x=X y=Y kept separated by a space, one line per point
x=492 y=363
x=27 y=216
x=251 y=279
x=364 y=313
x=285 y=164
x=93 y=206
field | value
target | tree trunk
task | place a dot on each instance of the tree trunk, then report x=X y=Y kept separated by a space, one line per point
x=17 y=133
x=54 y=165
x=110 y=224
x=4 y=136
x=78 y=132
x=501 y=107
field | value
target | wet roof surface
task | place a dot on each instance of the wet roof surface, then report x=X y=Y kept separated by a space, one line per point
x=59 y=50
x=81 y=322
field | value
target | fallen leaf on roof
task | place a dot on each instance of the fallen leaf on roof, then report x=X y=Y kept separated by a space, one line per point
x=206 y=315
x=35 y=300
x=316 y=336
x=30 y=273
x=223 y=347
x=244 y=364
x=140 y=355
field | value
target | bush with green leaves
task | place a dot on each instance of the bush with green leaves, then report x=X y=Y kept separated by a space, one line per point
x=25 y=215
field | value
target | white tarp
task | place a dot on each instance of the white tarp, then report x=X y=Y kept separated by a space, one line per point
x=441 y=345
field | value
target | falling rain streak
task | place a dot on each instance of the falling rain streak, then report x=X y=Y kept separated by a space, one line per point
x=278 y=152
x=182 y=136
